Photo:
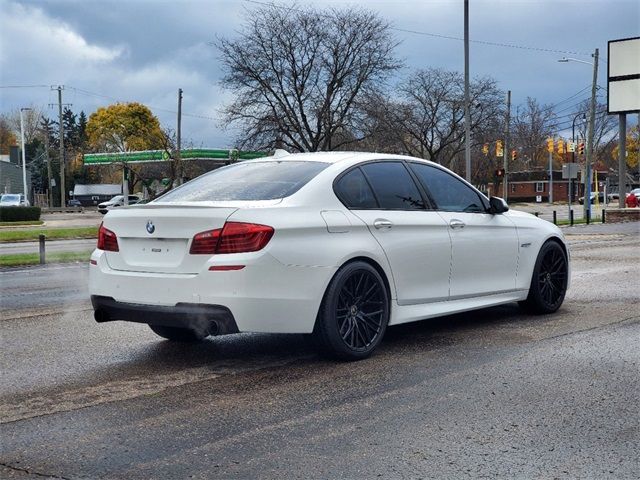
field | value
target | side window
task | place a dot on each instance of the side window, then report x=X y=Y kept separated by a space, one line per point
x=449 y=193
x=393 y=186
x=354 y=191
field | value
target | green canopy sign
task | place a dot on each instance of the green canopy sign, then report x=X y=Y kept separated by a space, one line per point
x=163 y=156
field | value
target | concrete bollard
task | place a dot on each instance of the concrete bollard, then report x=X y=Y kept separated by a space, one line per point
x=41 y=238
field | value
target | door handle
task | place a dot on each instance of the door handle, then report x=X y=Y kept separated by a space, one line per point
x=455 y=223
x=381 y=223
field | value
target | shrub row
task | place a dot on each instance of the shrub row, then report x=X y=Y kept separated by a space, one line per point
x=19 y=214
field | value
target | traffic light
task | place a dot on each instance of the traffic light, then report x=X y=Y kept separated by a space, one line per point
x=571 y=147
x=500 y=172
x=514 y=155
x=581 y=148
x=560 y=146
x=485 y=149
x=550 y=145
x=499 y=149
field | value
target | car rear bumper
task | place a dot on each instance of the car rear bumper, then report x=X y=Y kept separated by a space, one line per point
x=211 y=319
x=265 y=296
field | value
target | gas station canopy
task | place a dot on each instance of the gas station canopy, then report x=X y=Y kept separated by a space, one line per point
x=163 y=156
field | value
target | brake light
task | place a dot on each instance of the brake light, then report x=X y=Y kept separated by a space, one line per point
x=239 y=237
x=107 y=240
x=234 y=237
x=205 y=242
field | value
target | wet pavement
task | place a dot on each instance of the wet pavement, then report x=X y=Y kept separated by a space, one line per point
x=490 y=394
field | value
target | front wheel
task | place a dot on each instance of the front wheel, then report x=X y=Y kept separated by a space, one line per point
x=549 y=280
x=354 y=312
x=176 y=334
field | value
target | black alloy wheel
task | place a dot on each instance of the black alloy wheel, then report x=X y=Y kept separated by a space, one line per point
x=354 y=312
x=549 y=281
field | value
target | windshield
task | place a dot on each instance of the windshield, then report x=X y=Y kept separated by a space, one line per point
x=117 y=198
x=10 y=198
x=247 y=181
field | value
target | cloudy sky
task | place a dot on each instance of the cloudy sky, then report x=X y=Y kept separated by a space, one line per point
x=144 y=50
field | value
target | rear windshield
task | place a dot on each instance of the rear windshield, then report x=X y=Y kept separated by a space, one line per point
x=247 y=181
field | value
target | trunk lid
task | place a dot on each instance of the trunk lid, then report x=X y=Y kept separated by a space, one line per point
x=156 y=238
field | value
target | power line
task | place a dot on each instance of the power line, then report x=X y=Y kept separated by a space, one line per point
x=152 y=107
x=447 y=37
x=572 y=96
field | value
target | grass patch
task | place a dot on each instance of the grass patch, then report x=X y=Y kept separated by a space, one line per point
x=16 y=259
x=31 y=235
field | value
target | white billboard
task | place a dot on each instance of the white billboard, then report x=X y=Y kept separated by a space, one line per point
x=623 y=76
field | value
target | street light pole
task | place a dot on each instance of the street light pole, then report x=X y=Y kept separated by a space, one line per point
x=24 y=157
x=590 y=132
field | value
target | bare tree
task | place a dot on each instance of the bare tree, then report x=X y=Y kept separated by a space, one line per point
x=604 y=133
x=428 y=117
x=299 y=75
x=532 y=125
x=31 y=121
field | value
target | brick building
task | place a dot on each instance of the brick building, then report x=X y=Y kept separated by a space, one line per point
x=527 y=186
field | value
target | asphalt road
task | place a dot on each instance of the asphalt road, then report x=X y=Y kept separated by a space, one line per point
x=491 y=394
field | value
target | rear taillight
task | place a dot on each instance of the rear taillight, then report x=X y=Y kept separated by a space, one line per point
x=107 y=240
x=239 y=237
x=205 y=242
x=235 y=237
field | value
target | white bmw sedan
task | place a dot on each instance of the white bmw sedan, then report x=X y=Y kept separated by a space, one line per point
x=340 y=245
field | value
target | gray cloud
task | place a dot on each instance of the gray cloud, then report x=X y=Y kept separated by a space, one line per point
x=145 y=50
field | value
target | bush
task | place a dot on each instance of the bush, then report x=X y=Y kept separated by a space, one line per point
x=19 y=214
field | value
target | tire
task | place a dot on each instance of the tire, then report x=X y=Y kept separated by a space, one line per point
x=354 y=313
x=177 y=334
x=549 y=280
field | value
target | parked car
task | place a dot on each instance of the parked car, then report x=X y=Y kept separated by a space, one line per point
x=593 y=198
x=14 y=200
x=615 y=195
x=340 y=245
x=74 y=203
x=117 y=201
x=636 y=192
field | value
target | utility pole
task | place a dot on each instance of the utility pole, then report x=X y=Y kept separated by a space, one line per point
x=46 y=152
x=505 y=161
x=590 y=146
x=178 y=139
x=467 y=113
x=63 y=187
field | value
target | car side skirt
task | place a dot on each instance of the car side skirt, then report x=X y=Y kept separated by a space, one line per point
x=411 y=313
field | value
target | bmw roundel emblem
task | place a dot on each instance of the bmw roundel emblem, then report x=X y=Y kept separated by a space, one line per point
x=150 y=227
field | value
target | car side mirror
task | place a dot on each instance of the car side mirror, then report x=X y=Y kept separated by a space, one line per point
x=497 y=205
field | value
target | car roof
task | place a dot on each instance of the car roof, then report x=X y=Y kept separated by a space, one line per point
x=333 y=157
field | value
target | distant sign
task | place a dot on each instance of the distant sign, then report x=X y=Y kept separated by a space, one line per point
x=623 y=76
x=570 y=170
